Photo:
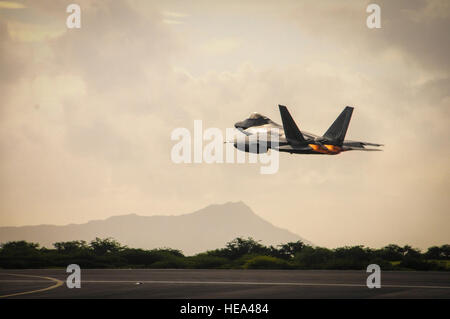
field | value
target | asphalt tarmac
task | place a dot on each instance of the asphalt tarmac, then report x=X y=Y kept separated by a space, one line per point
x=193 y=284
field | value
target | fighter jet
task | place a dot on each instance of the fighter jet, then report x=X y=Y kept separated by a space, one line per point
x=294 y=141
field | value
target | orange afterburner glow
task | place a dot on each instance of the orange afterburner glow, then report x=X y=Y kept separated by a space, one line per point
x=333 y=149
x=326 y=149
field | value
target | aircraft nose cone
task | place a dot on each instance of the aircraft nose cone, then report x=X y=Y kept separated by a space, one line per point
x=239 y=125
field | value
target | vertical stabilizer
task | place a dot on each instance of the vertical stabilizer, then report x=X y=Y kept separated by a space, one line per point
x=291 y=131
x=336 y=132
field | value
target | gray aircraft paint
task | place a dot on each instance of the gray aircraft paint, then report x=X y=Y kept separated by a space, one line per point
x=293 y=140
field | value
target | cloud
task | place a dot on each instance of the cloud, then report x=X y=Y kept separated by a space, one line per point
x=86 y=115
x=168 y=21
x=173 y=17
x=11 y=5
x=221 y=46
x=23 y=32
x=174 y=14
x=417 y=29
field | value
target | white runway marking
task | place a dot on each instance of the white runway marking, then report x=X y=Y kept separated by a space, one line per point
x=260 y=283
x=228 y=283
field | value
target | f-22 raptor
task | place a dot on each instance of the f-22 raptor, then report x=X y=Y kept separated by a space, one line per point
x=294 y=141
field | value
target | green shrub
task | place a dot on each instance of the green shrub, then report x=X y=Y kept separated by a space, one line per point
x=316 y=258
x=266 y=262
x=204 y=261
x=171 y=263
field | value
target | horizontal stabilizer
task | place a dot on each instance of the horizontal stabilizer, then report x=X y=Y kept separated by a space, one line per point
x=372 y=144
x=364 y=149
x=359 y=144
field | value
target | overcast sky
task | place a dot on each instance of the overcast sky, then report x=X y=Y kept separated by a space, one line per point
x=86 y=114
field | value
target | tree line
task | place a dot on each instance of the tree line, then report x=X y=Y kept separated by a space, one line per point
x=240 y=253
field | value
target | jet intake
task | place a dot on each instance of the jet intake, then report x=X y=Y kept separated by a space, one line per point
x=251 y=146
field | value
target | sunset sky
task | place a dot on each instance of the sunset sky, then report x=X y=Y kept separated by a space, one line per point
x=86 y=114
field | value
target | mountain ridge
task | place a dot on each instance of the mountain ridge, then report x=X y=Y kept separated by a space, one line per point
x=208 y=228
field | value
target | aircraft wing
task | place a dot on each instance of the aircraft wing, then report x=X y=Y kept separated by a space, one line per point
x=293 y=148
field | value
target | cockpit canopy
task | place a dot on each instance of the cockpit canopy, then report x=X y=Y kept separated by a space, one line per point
x=255 y=116
x=255 y=119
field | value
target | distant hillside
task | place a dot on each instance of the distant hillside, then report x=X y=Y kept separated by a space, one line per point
x=209 y=228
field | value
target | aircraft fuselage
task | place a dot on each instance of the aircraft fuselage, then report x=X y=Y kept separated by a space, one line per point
x=292 y=140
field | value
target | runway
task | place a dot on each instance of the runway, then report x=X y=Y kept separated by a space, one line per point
x=193 y=284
